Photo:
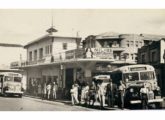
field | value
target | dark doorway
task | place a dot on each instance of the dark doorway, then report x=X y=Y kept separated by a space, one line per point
x=69 y=78
x=68 y=82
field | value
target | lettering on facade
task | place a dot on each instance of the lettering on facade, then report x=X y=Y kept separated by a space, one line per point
x=102 y=53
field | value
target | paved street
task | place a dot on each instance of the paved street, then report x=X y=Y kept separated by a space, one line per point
x=32 y=104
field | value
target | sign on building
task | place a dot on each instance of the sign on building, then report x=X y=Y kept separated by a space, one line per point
x=101 y=53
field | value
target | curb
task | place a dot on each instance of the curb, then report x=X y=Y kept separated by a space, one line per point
x=47 y=101
x=57 y=102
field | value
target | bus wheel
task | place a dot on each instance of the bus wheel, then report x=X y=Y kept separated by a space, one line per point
x=5 y=95
x=158 y=105
x=20 y=96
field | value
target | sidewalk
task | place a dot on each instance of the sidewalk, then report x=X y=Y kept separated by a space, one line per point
x=58 y=102
x=50 y=101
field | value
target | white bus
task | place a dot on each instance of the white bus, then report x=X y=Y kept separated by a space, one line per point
x=11 y=84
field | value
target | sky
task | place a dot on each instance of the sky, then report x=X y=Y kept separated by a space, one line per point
x=20 y=26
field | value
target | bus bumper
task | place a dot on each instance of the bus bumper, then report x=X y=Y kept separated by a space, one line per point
x=149 y=101
x=14 y=92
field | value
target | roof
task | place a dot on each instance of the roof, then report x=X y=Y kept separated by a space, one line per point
x=108 y=35
x=10 y=45
x=10 y=70
x=153 y=37
x=130 y=66
x=47 y=36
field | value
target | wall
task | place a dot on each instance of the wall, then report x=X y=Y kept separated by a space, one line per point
x=58 y=46
x=37 y=46
x=162 y=49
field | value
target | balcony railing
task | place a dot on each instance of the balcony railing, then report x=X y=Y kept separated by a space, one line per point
x=89 y=53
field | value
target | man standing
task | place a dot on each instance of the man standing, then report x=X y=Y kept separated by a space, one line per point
x=54 y=90
x=144 y=96
x=48 y=88
x=111 y=91
x=101 y=94
x=74 y=92
x=121 y=94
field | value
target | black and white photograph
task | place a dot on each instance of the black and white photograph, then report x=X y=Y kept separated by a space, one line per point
x=82 y=59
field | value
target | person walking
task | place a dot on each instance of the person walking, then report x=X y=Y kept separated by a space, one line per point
x=48 y=88
x=74 y=92
x=121 y=94
x=144 y=96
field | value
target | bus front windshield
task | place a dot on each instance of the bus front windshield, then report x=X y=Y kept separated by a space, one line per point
x=8 y=78
x=147 y=75
x=131 y=76
x=17 y=79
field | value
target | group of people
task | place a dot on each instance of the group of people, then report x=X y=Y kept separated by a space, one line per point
x=50 y=90
x=83 y=93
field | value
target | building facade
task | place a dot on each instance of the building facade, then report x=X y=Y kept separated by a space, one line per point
x=154 y=54
x=60 y=59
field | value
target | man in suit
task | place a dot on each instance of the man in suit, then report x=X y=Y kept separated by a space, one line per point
x=111 y=92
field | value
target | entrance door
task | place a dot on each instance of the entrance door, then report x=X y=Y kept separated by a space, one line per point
x=1 y=84
x=69 y=78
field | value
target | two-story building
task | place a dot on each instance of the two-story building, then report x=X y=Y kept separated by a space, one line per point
x=154 y=54
x=44 y=61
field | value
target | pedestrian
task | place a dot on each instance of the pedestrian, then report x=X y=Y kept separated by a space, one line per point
x=74 y=92
x=144 y=96
x=111 y=92
x=48 y=88
x=121 y=94
x=54 y=90
x=92 y=93
x=44 y=91
x=84 y=92
x=101 y=91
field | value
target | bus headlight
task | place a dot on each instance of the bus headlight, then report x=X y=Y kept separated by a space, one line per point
x=131 y=90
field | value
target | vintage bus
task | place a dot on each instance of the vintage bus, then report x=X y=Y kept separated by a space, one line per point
x=11 y=84
x=134 y=77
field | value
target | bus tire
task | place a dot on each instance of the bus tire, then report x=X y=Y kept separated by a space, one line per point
x=20 y=96
x=158 y=105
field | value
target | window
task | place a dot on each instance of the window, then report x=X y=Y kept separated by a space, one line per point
x=147 y=75
x=131 y=76
x=35 y=55
x=40 y=53
x=17 y=79
x=143 y=58
x=8 y=78
x=46 y=50
x=65 y=46
x=132 y=56
x=50 y=48
x=153 y=56
x=30 y=56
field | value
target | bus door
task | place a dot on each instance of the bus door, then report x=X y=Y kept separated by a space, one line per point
x=1 y=84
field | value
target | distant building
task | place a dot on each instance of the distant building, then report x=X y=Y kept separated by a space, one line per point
x=154 y=54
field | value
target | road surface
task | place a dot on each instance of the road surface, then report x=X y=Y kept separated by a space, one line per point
x=33 y=104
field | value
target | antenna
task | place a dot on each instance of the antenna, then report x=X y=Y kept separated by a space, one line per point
x=51 y=29
x=52 y=18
